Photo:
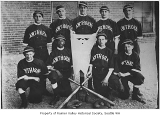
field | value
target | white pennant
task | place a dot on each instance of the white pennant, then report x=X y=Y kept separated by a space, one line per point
x=81 y=49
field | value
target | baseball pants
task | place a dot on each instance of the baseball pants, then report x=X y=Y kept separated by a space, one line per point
x=64 y=88
x=113 y=82
x=36 y=90
x=136 y=78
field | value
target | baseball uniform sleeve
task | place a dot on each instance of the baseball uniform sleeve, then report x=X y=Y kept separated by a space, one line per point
x=139 y=30
x=48 y=32
x=49 y=60
x=20 y=71
x=111 y=60
x=52 y=29
x=44 y=68
x=137 y=63
x=26 y=36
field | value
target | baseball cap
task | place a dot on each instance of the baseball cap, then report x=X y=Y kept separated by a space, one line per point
x=127 y=6
x=104 y=8
x=83 y=3
x=59 y=7
x=60 y=37
x=37 y=12
x=28 y=49
x=101 y=34
x=128 y=41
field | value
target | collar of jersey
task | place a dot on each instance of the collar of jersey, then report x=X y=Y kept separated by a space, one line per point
x=128 y=54
x=101 y=47
x=82 y=15
x=30 y=61
x=37 y=24
x=127 y=18
x=62 y=18
x=104 y=18
x=60 y=48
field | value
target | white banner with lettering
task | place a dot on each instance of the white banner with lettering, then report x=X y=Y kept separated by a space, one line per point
x=81 y=45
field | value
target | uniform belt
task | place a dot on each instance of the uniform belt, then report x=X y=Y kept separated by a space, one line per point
x=100 y=68
x=40 y=47
x=64 y=69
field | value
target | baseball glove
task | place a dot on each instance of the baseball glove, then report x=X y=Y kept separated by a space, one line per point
x=55 y=74
x=74 y=104
x=98 y=104
x=82 y=95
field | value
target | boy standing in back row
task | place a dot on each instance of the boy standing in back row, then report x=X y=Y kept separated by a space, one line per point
x=37 y=36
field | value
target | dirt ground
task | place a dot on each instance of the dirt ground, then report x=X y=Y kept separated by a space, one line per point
x=11 y=99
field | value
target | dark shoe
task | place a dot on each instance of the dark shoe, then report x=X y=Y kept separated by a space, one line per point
x=47 y=93
x=54 y=100
x=111 y=97
x=23 y=105
x=135 y=97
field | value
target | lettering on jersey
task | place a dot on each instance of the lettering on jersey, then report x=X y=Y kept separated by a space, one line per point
x=127 y=62
x=100 y=56
x=63 y=26
x=61 y=58
x=105 y=27
x=32 y=70
x=87 y=23
x=37 y=32
x=126 y=27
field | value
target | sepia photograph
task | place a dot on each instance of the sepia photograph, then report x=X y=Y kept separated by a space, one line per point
x=80 y=55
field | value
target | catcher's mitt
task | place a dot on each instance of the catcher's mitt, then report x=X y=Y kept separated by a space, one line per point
x=82 y=95
x=55 y=74
x=73 y=104
x=98 y=104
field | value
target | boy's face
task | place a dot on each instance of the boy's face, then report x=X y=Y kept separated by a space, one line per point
x=128 y=12
x=83 y=9
x=38 y=18
x=61 y=43
x=29 y=55
x=101 y=41
x=128 y=48
x=104 y=13
x=61 y=13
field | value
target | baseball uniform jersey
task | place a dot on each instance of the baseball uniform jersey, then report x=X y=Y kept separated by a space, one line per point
x=37 y=36
x=63 y=27
x=84 y=25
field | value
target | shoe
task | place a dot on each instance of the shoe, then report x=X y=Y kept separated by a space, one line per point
x=54 y=100
x=136 y=97
x=23 y=105
x=47 y=93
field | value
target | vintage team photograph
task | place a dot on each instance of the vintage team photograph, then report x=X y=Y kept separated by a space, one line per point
x=79 y=54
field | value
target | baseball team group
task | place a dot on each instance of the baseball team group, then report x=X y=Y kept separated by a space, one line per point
x=114 y=58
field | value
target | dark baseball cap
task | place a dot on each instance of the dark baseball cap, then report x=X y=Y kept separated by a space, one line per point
x=104 y=8
x=83 y=3
x=101 y=34
x=58 y=8
x=60 y=37
x=128 y=41
x=37 y=12
x=127 y=6
x=28 y=49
